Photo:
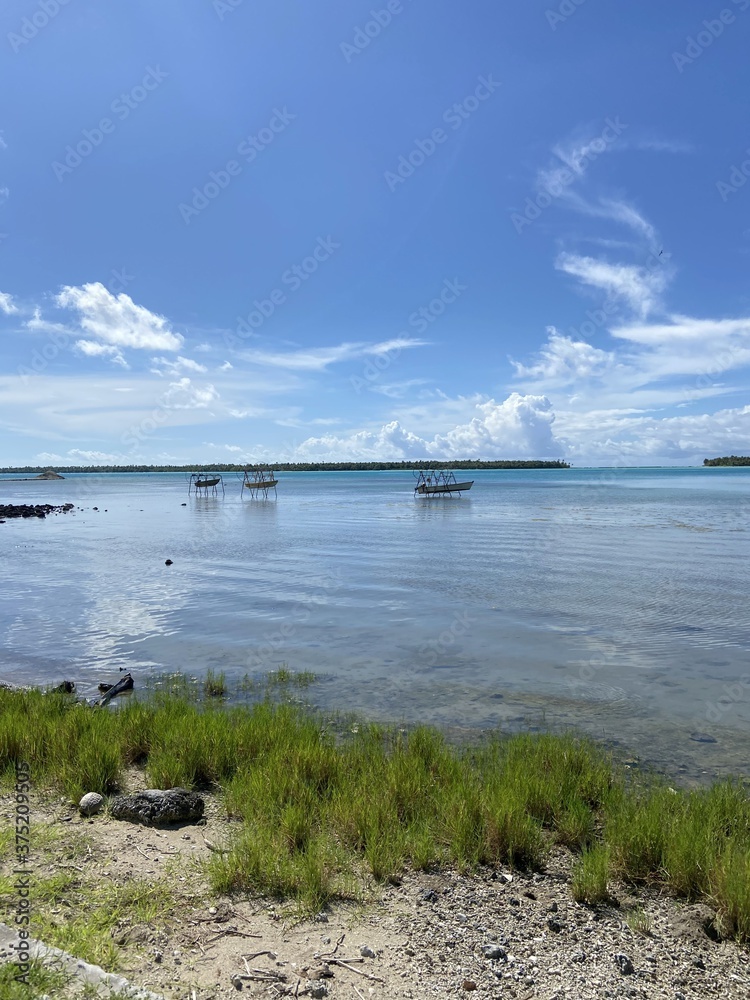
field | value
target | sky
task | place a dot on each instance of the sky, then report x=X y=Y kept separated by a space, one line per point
x=267 y=230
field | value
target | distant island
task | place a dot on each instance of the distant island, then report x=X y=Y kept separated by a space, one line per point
x=728 y=460
x=47 y=474
x=311 y=466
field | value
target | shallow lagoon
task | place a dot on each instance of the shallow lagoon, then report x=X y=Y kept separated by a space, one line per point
x=615 y=600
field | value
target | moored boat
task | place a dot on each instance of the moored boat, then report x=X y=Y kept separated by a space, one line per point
x=431 y=482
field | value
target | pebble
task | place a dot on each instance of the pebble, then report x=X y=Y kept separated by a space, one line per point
x=624 y=964
x=494 y=951
x=367 y=952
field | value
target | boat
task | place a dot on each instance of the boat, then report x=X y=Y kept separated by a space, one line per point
x=203 y=482
x=259 y=481
x=431 y=482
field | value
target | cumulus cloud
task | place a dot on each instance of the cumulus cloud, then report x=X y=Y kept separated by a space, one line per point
x=637 y=439
x=7 y=305
x=183 y=395
x=520 y=426
x=564 y=358
x=117 y=320
x=639 y=287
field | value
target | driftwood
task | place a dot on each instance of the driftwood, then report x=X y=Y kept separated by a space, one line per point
x=125 y=683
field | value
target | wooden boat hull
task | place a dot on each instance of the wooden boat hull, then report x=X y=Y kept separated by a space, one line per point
x=202 y=484
x=266 y=484
x=424 y=490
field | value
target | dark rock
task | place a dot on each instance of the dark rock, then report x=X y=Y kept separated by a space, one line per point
x=154 y=807
x=494 y=951
x=67 y=687
x=167 y=562
x=429 y=896
x=552 y=908
x=702 y=738
x=469 y=985
x=624 y=964
x=32 y=510
x=555 y=925
x=529 y=894
x=699 y=963
x=514 y=901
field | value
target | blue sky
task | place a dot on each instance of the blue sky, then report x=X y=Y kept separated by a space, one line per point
x=251 y=230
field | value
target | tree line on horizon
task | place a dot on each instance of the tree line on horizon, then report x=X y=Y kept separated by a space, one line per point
x=728 y=460
x=307 y=466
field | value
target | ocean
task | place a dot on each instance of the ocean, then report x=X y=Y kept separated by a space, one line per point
x=614 y=600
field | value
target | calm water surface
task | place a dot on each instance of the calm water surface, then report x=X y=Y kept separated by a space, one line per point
x=613 y=599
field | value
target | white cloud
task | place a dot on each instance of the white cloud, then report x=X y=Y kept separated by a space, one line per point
x=644 y=439
x=116 y=319
x=317 y=359
x=640 y=287
x=93 y=349
x=563 y=358
x=183 y=395
x=7 y=305
x=167 y=367
x=227 y=366
x=520 y=426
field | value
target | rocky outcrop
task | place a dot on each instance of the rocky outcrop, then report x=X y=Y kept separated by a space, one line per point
x=155 y=807
x=8 y=510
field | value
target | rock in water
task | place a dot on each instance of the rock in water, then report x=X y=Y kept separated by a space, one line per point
x=155 y=807
x=91 y=803
x=703 y=738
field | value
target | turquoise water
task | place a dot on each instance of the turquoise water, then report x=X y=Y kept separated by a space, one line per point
x=613 y=597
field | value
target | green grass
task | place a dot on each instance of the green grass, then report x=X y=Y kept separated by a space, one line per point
x=215 y=685
x=323 y=809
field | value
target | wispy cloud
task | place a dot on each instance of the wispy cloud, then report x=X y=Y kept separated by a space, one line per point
x=318 y=359
x=166 y=367
x=7 y=305
x=639 y=287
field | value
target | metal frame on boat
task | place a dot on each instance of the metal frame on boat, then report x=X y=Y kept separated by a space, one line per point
x=203 y=483
x=259 y=481
x=438 y=482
